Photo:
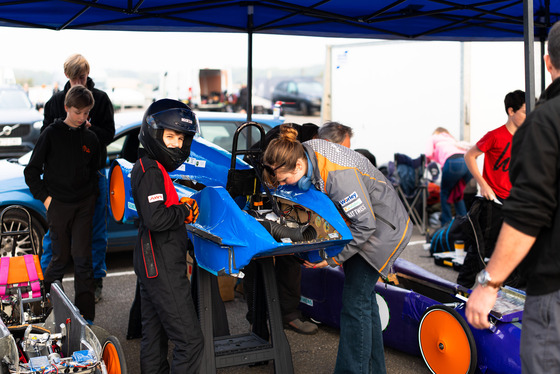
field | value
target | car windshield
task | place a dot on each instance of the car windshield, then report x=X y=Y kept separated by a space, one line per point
x=311 y=88
x=14 y=99
x=221 y=133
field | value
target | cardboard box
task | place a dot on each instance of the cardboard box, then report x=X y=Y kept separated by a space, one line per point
x=226 y=283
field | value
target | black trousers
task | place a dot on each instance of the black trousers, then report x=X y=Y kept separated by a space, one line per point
x=168 y=313
x=288 y=279
x=219 y=315
x=70 y=227
x=480 y=240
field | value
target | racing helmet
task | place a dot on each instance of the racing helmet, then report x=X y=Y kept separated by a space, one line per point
x=173 y=115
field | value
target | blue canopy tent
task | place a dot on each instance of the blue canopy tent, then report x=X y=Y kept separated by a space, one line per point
x=458 y=20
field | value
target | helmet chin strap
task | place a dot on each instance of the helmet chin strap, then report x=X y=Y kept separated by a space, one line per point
x=305 y=182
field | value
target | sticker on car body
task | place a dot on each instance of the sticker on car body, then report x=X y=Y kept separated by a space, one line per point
x=194 y=162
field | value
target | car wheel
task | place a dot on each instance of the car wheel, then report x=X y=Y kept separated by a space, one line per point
x=304 y=109
x=446 y=341
x=111 y=351
x=17 y=220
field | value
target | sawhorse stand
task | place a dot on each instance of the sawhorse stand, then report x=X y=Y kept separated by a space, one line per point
x=245 y=349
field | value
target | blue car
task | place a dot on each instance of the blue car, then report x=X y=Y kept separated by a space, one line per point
x=216 y=127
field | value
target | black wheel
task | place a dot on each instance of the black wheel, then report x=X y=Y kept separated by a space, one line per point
x=16 y=220
x=111 y=351
x=446 y=341
x=304 y=109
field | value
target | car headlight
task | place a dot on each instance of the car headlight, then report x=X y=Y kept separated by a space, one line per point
x=37 y=125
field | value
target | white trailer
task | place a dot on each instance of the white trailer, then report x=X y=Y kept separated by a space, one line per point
x=176 y=84
x=202 y=88
x=395 y=93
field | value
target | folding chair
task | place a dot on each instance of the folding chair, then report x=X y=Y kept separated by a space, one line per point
x=412 y=188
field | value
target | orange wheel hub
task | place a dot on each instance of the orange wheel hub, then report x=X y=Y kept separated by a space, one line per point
x=444 y=343
x=116 y=193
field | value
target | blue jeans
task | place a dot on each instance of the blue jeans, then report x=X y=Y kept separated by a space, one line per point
x=99 y=234
x=360 y=348
x=453 y=170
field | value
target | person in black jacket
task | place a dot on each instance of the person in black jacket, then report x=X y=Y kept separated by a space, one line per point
x=531 y=230
x=67 y=154
x=160 y=253
x=76 y=69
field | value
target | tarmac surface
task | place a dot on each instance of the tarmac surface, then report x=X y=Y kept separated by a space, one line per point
x=310 y=354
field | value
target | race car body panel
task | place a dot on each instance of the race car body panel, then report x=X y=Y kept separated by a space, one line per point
x=228 y=234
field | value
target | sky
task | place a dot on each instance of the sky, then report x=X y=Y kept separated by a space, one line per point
x=46 y=49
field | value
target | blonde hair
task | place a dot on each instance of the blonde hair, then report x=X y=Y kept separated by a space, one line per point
x=282 y=153
x=76 y=65
x=440 y=130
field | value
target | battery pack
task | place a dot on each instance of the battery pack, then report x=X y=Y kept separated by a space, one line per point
x=83 y=357
x=39 y=363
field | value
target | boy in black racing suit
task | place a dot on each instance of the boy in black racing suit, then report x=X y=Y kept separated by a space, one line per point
x=160 y=254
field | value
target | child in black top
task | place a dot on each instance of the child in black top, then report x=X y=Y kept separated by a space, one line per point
x=67 y=154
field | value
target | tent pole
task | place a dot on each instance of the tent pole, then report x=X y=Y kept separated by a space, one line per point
x=249 y=109
x=543 y=36
x=529 y=41
x=465 y=118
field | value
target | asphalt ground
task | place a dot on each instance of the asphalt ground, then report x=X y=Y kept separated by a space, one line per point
x=310 y=354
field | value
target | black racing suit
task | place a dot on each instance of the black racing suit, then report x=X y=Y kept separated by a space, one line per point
x=167 y=307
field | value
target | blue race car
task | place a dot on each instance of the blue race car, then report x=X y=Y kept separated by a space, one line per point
x=216 y=127
x=234 y=227
x=423 y=314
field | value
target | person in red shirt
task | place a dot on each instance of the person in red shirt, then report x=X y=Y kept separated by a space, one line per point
x=496 y=147
x=486 y=211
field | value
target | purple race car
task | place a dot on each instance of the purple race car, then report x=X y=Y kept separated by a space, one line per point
x=423 y=314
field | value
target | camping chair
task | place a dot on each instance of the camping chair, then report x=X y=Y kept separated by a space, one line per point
x=412 y=188
x=22 y=292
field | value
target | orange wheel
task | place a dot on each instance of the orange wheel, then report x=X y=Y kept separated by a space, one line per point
x=116 y=193
x=446 y=341
x=111 y=359
x=111 y=350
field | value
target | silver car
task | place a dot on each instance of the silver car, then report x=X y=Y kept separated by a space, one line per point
x=20 y=122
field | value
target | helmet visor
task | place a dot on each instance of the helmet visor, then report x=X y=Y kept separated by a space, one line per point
x=178 y=119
